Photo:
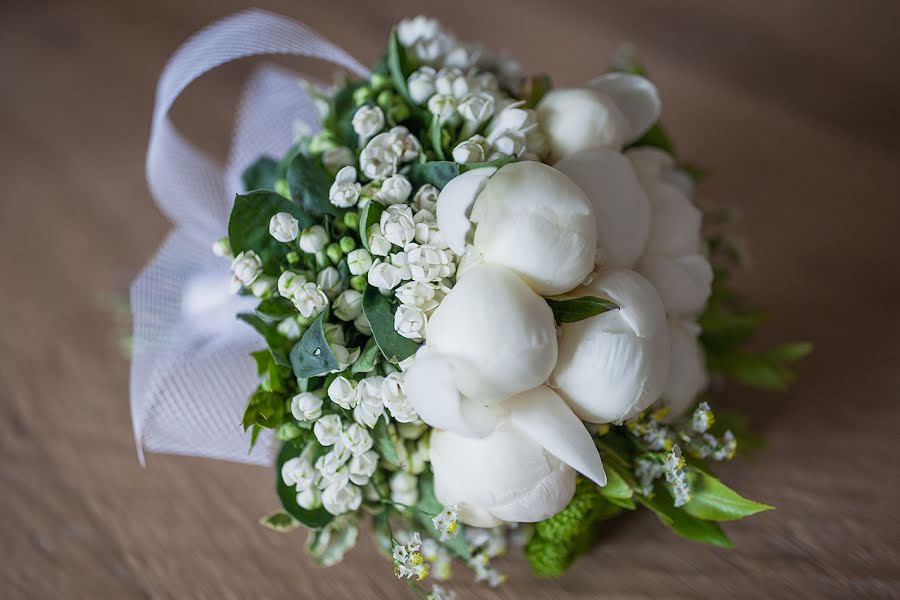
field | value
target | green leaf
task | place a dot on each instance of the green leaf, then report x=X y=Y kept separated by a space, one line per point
x=429 y=506
x=312 y=356
x=264 y=409
x=278 y=344
x=497 y=162
x=380 y=314
x=712 y=500
x=328 y=545
x=616 y=487
x=288 y=494
x=248 y=227
x=400 y=66
x=626 y=503
x=310 y=183
x=262 y=358
x=536 y=88
x=261 y=175
x=371 y=214
x=576 y=309
x=682 y=523
x=274 y=310
x=436 y=172
x=790 y=352
x=435 y=135
x=341 y=108
x=367 y=359
x=381 y=438
x=279 y=521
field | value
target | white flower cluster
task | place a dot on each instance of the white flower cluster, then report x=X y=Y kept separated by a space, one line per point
x=439 y=593
x=408 y=561
x=445 y=522
x=673 y=467
x=308 y=297
x=383 y=154
x=369 y=397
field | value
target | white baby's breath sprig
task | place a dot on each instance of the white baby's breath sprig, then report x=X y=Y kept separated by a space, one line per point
x=408 y=560
x=445 y=522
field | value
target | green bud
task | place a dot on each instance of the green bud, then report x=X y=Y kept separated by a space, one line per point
x=358 y=282
x=305 y=321
x=362 y=95
x=399 y=112
x=379 y=81
x=347 y=244
x=351 y=220
x=334 y=252
x=322 y=142
x=386 y=99
x=289 y=431
x=282 y=188
x=293 y=257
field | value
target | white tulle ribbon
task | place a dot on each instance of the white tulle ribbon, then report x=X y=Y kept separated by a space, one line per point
x=191 y=372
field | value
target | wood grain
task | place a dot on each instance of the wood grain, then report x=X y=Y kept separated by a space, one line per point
x=793 y=107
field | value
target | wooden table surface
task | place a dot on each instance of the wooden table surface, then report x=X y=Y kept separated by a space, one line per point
x=794 y=106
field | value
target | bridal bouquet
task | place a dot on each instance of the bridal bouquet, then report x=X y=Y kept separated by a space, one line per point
x=488 y=309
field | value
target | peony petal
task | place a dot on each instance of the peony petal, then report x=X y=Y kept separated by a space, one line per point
x=621 y=208
x=635 y=96
x=543 y=415
x=455 y=203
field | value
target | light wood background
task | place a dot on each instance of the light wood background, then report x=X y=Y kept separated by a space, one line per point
x=792 y=105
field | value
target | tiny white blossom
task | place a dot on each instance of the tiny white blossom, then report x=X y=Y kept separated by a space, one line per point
x=356 y=439
x=475 y=109
x=341 y=498
x=451 y=81
x=397 y=224
x=246 y=266
x=384 y=276
x=309 y=498
x=378 y=244
x=329 y=279
x=306 y=406
x=427 y=263
x=367 y=121
x=362 y=467
x=405 y=145
x=426 y=198
x=421 y=85
x=262 y=286
x=410 y=322
x=345 y=190
x=343 y=356
x=472 y=150
x=408 y=561
x=289 y=282
x=379 y=159
x=445 y=522
x=309 y=299
x=337 y=158
x=329 y=464
x=313 y=239
x=334 y=333
x=395 y=189
x=359 y=261
x=370 y=405
x=290 y=328
x=298 y=472
x=328 y=429
x=439 y=593
x=342 y=391
x=418 y=294
x=442 y=106
x=348 y=305
x=425 y=38
x=394 y=399
x=401 y=261
x=222 y=248
x=514 y=131
x=284 y=227
x=404 y=488
x=703 y=418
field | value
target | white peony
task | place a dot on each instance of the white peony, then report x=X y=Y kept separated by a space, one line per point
x=674 y=259
x=499 y=335
x=621 y=208
x=608 y=112
x=687 y=368
x=536 y=221
x=504 y=477
x=613 y=365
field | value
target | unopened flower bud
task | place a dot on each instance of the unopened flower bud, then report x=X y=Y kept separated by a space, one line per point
x=421 y=85
x=367 y=121
x=284 y=227
x=359 y=261
x=313 y=239
x=246 y=266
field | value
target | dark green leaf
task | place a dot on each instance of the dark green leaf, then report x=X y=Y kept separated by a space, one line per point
x=616 y=487
x=371 y=214
x=381 y=437
x=265 y=409
x=380 y=314
x=248 y=227
x=437 y=173
x=497 y=162
x=576 y=309
x=536 y=88
x=367 y=359
x=273 y=310
x=279 y=521
x=278 y=344
x=310 y=183
x=682 y=523
x=712 y=500
x=312 y=356
x=261 y=175
x=288 y=494
x=400 y=66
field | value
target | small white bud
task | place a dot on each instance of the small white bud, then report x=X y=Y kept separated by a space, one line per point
x=342 y=391
x=359 y=261
x=329 y=279
x=309 y=299
x=348 y=305
x=290 y=328
x=246 y=266
x=384 y=276
x=313 y=239
x=356 y=439
x=421 y=85
x=284 y=227
x=476 y=109
x=404 y=488
x=309 y=498
x=472 y=150
x=378 y=244
x=306 y=407
x=362 y=324
x=362 y=467
x=367 y=121
x=397 y=224
x=289 y=282
x=262 y=286
x=334 y=333
x=328 y=429
x=344 y=192
x=222 y=248
x=410 y=322
x=442 y=106
x=426 y=198
x=395 y=189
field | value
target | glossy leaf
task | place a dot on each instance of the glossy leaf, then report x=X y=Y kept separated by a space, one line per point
x=712 y=500
x=310 y=184
x=261 y=175
x=381 y=438
x=370 y=215
x=248 y=227
x=436 y=172
x=288 y=494
x=380 y=314
x=576 y=309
